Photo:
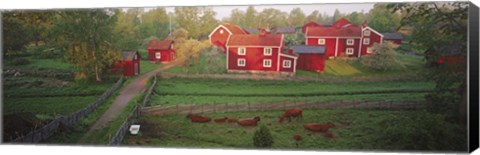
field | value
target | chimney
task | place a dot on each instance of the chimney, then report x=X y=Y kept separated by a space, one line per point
x=262 y=31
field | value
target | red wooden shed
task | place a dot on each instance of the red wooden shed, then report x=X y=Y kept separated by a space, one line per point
x=310 y=58
x=131 y=63
x=161 y=50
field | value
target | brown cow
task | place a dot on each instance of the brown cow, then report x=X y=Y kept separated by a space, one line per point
x=198 y=119
x=249 y=122
x=220 y=120
x=297 y=137
x=296 y=112
x=232 y=120
x=315 y=127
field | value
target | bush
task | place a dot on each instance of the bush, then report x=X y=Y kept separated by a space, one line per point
x=214 y=59
x=20 y=61
x=262 y=137
x=382 y=59
x=421 y=131
x=44 y=51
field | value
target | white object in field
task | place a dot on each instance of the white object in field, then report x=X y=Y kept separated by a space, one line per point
x=134 y=129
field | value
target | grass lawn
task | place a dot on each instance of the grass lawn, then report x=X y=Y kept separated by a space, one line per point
x=354 y=130
x=146 y=66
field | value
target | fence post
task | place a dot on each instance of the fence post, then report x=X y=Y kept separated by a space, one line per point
x=214 y=110
x=248 y=106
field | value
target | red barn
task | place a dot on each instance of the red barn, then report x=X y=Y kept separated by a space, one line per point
x=395 y=38
x=310 y=58
x=161 y=51
x=220 y=35
x=131 y=63
x=259 y=53
x=343 y=38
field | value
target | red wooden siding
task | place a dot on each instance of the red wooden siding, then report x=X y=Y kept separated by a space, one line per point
x=292 y=64
x=165 y=55
x=219 y=39
x=311 y=62
x=374 y=38
x=131 y=64
x=330 y=44
x=253 y=59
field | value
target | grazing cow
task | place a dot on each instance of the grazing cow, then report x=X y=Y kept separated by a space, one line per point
x=315 y=127
x=328 y=135
x=220 y=120
x=296 y=112
x=297 y=137
x=198 y=119
x=249 y=122
x=232 y=120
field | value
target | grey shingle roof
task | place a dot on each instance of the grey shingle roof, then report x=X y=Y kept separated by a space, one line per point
x=285 y=30
x=393 y=36
x=299 y=49
x=128 y=55
x=251 y=30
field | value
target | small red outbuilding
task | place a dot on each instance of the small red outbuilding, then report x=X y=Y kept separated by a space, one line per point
x=161 y=51
x=310 y=58
x=131 y=63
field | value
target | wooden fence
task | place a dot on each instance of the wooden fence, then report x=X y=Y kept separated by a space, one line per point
x=124 y=128
x=49 y=129
x=251 y=107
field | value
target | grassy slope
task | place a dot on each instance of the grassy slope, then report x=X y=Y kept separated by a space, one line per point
x=176 y=131
x=146 y=66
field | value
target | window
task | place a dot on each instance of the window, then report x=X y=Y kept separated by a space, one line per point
x=241 y=62
x=369 y=50
x=321 y=41
x=366 y=41
x=242 y=51
x=366 y=33
x=349 y=51
x=287 y=63
x=267 y=51
x=221 y=31
x=157 y=55
x=267 y=63
x=349 y=41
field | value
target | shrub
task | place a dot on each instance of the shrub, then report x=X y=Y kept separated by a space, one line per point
x=262 y=137
x=44 y=51
x=214 y=59
x=421 y=131
x=382 y=59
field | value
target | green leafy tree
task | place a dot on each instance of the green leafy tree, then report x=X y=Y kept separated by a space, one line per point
x=207 y=22
x=262 y=137
x=382 y=59
x=126 y=29
x=383 y=19
x=88 y=37
x=213 y=58
x=12 y=28
x=188 y=18
x=441 y=24
x=337 y=15
x=296 y=18
x=270 y=18
x=251 y=17
x=237 y=17
x=356 y=18
x=155 y=22
x=313 y=17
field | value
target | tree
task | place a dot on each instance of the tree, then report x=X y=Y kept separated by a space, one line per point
x=155 y=23
x=188 y=18
x=207 y=22
x=270 y=18
x=87 y=36
x=337 y=15
x=296 y=18
x=356 y=18
x=441 y=24
x=237 y=17
x=262 y=137
x=251 y=17
x=12 y=28
x=313 y=17
x=213 y=57
x=126 y=29
x=382 y=19
x=382 y=59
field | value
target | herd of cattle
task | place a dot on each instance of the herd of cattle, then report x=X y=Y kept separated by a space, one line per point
x=289 y=114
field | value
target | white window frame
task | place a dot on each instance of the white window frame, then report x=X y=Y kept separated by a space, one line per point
x=321 y=41
x=366 y=33
x=240 y=49
x=350 y=41
x=158 y=55
x=369 y=50
x=267 y=60
x=265 y=51
x=240 y=60
x=287 y=65
x=221 y=31
x=351 y=51
x=366 y=41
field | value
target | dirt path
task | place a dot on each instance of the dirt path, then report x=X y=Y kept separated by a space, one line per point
x=136 y=87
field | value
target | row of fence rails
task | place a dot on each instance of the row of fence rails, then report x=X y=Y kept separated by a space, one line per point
x=252 y=107
x=132 y=118
x=49 y=129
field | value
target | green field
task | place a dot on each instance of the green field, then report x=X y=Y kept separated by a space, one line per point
x=354 y=130
x=146 y=66
x=207 y=91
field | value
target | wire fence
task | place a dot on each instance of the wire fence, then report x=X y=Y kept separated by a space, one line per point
x=252 y=107
x=62 y=122
x=124 y=128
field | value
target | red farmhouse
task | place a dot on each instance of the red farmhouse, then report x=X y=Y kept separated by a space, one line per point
x=220 y=35
x=310 y=57
x=259 y=53
x=161 y=51
x=342 y=37
x=131 y=63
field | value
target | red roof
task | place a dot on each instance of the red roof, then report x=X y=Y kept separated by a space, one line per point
x=350 y=31
x=341 y=22
x=156 y=44
x=235 y=29
x=255 y=40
